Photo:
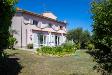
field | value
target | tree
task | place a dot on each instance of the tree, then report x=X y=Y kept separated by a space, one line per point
x=79 y=36
x=7 y=11
x=102 y=32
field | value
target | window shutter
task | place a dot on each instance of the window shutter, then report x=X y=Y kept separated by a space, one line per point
x=31 y=21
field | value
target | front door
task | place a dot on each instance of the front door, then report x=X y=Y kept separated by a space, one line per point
x=56 y=40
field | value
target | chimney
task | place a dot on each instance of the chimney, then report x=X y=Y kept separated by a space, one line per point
x=49 y=15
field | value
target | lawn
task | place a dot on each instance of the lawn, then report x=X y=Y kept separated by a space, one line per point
x=31 y=64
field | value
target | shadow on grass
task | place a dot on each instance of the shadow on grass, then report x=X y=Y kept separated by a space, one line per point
x=76 y=74
x=10 y=66
x=9 y=55
x=92 y=52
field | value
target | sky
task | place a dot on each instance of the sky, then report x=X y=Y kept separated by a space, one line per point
x=76 y=12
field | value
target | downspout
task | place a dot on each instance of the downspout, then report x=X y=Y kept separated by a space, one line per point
x=26 y=36
x=21 y=30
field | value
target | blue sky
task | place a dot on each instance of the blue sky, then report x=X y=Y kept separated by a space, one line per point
x=76 y=12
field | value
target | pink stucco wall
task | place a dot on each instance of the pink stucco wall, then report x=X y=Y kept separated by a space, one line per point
x=21 y=21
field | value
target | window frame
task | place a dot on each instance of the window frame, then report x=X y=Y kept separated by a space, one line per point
x=35 y=22
x=50 y=25
x=61 y=27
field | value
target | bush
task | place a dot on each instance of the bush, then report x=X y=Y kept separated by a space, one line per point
x=46 y=49
x=30 y=46
x=90 y=46
x=78 y=45
x=66 y=48
x=11 y=42
x=69 y=47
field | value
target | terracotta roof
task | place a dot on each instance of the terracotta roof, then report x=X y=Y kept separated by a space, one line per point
x=39 y=15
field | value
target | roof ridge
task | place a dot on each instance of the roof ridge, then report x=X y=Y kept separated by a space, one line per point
x=40 y=15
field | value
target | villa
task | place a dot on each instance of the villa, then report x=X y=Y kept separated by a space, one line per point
x=38 y=29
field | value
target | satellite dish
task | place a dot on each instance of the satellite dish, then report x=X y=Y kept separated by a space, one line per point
x=26 y=22
x=40 y=25
x=54 y=27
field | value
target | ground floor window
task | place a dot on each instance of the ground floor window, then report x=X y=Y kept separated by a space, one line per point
x=42 y=39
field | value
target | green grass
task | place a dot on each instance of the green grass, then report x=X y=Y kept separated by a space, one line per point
x=32 y=64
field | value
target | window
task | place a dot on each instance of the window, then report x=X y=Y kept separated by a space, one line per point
x=42 y=39
x=57 y=40
x=35 y=22
x=61 y=27
x=26 y=20
x=50 y=25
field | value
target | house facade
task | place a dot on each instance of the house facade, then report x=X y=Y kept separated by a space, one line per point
x=38 y=29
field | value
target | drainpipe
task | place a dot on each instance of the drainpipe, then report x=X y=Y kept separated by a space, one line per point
x=21 y=30
x=62 y=39
x=26 y=36
x=49 y=42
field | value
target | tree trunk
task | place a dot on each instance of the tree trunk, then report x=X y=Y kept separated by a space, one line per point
x=1 y=52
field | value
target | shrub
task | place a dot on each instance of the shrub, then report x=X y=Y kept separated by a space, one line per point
x=78 y=45
x=69 y=44
x=30 y=46
x=66 y=48
x=11 y=42
x=46 y=49
x=69 y=47
x=90 y=46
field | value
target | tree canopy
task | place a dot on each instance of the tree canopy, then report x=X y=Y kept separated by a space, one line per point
x=102 y=32
x=80 y=36
x=7 y=11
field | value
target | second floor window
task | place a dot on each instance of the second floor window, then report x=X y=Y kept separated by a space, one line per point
x=35 y=22
x=50 y=25
x=61 y=27
x=26 y=18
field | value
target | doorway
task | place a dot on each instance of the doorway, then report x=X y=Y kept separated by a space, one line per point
x=56 y=40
